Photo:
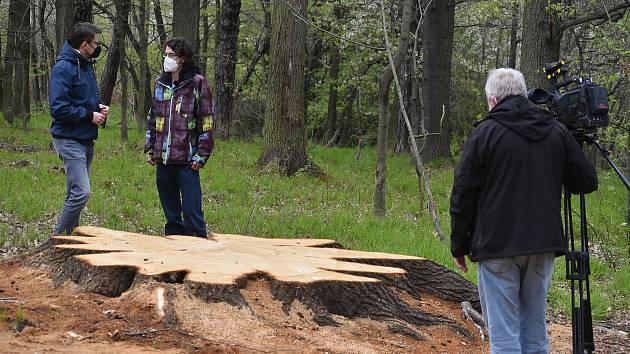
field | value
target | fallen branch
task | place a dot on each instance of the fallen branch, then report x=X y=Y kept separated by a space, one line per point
x=12 y=300
x=151 y=331
x=251 y=214
x=475 y=317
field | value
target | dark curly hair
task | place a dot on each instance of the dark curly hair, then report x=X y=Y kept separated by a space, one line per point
x=82 y=32
x=183 y=48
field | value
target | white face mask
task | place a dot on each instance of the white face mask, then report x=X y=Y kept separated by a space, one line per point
x=170 y=65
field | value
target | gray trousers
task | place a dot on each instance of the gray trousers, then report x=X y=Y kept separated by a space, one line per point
x=77 y=159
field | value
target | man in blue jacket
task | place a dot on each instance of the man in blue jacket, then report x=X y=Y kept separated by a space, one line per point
x=77 y=113
x=505 y=210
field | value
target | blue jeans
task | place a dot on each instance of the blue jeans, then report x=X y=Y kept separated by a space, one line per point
x=77 y=159
x=179 y=188
x=513 y=294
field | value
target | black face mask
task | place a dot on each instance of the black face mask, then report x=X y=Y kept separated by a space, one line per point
x=96 y=52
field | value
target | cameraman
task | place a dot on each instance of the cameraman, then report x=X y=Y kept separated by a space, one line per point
x=505 y=210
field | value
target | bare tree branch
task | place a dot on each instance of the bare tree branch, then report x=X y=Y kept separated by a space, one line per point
x=604 y=13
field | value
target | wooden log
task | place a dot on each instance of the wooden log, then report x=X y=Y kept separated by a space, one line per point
x=315 y=272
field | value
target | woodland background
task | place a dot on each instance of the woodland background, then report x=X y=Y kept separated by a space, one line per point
x=340 y=95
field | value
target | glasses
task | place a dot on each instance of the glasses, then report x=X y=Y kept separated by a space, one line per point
x=170 y=55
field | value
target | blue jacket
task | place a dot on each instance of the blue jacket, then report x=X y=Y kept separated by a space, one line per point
x=73 y=96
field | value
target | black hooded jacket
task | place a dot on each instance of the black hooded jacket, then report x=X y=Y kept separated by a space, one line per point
x=506 y=196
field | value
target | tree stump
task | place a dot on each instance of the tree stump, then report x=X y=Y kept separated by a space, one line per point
x=317 y=273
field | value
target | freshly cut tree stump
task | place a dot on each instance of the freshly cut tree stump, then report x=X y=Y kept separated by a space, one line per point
x=315 y=272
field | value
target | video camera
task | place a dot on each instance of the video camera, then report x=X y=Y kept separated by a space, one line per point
x=576 y=102
x=582 y=106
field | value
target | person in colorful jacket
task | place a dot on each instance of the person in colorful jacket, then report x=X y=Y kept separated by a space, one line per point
x=179 y=139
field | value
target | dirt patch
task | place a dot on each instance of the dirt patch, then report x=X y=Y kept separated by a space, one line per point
x=12 y=146
x=18 y=237
x=36 y=317
x=69 y=320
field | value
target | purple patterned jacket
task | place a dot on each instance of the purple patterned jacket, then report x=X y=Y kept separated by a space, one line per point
x=180 y=120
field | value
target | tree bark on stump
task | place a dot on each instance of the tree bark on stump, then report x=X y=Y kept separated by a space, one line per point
x=316 y=273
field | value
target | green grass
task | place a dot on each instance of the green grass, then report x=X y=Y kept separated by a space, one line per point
x=4 y=316
x=124 y=197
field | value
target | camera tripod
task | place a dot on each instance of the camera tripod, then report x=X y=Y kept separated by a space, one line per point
x=577 y=262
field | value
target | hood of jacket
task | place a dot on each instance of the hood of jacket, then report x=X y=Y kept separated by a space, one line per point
x=70 y=54
x=523 y=117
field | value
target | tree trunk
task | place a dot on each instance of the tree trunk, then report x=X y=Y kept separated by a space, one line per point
x=144 y=85
x=83 y=11
x=380 y=188
x=314 y=54
x=159 y=22
x=9 y=60
x=217 y=24
x=402 y=133
x=514 y=34
x=1 y=74
x=284 y=131
x=409 y=85
x=542 y=34
x=344 y=127
x=225 y=67
x=627 y=191
x=49 y=53
x=21 y=88
x=110 y=72
x=437 y=48
x=17 y=60
x=124 y=94
x=186 y=22
x=69 y=12
x=497 y=57
x=64 y=14
x=205 y=23
x=333 y=76
x=36 y=97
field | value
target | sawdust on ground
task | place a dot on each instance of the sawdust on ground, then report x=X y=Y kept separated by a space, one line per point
x=65 y=319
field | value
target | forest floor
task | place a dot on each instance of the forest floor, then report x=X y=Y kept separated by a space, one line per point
x=66 y=319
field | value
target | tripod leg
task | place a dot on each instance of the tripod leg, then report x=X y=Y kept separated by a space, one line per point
x=587 y=318
x=571 y=267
